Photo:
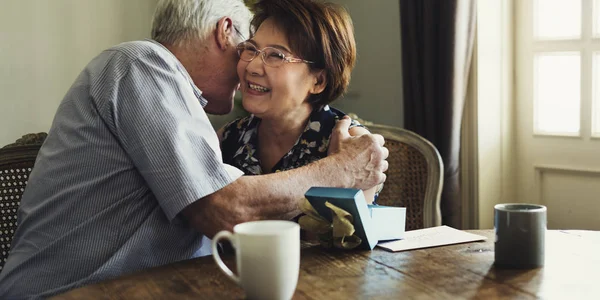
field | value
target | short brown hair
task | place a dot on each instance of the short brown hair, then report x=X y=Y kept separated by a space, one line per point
x=319 y=32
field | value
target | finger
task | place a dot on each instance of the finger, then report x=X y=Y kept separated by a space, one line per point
x=341 y=128
x=379 y=139
x=385 y=152
x=383 y=178
x=384 y=166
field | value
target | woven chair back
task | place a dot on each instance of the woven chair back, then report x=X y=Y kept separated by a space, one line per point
x=16 y=162
x=414 y=176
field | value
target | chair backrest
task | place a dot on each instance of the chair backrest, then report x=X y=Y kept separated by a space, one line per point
x=414 y=177
x=16 y=161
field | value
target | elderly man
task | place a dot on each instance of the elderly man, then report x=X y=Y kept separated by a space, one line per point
x=131 y=176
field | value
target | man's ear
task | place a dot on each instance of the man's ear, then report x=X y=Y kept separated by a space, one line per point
x=223 y=33
x=320 y=82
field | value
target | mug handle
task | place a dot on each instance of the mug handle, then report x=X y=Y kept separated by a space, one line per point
x=227 y=236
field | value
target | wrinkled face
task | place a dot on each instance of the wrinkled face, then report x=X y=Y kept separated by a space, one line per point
x=225 y=82
x=275 y=92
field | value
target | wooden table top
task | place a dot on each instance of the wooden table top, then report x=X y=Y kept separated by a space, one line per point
x=572 y=271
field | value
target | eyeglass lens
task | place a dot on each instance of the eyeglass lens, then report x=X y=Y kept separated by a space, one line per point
x=270 y=56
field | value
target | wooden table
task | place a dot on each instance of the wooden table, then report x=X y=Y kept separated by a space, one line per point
x=572 y=271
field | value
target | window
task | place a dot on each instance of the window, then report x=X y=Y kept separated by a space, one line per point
x=557 y=93
x=597 y=18
x=596 y=94
x=566 y=67
x=546 y=14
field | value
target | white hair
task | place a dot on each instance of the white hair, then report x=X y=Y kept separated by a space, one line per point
x=177 y=21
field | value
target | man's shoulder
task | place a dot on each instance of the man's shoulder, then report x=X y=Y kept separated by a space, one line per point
x=114 y=63
x=147 y=51
x=135 y=49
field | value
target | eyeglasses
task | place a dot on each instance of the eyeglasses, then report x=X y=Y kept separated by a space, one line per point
x=272 y=57
x=239 y=33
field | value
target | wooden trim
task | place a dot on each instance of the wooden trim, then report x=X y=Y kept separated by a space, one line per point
x=574 y=136
x=541 y=169
x=565 y=169
x=18 y=154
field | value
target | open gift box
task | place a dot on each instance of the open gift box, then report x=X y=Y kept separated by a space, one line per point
x=372 y=223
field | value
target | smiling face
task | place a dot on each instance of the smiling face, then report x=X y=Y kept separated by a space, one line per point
x=276 y=92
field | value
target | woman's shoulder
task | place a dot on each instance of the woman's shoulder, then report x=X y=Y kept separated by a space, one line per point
x=240 y=123
x=237 y=127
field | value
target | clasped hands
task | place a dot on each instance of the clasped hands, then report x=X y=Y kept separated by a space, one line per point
x=362 y=157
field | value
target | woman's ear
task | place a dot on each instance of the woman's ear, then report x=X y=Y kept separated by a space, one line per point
x=223 y=32
x=320 y=82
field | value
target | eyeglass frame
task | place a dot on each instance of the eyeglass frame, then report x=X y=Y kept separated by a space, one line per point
x=237 y=31
x=261 y=52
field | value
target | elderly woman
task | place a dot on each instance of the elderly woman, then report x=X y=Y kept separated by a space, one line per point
x=297 y=61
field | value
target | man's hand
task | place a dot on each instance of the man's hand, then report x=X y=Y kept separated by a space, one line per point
x=352 y=161
x=362 y=159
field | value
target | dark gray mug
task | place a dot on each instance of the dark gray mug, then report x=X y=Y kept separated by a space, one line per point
x=520 y=235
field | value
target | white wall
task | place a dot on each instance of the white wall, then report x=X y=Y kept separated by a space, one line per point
x=375 y=91
x=44 y=44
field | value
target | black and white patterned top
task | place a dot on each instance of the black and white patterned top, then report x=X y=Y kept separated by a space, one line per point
x=240 y=142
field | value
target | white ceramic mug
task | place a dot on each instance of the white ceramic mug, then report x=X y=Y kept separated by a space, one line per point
x=267 y=258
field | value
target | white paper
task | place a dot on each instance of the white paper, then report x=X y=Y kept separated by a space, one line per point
x=431 y=237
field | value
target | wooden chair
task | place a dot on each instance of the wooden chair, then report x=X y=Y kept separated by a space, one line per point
x=16 y=161
x=414 y=177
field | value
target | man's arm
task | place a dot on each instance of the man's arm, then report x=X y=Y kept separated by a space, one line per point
x=354 y=161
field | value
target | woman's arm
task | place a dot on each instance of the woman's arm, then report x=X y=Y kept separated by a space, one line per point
x=370 y=193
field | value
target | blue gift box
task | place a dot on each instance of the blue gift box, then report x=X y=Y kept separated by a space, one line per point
x=372 y=223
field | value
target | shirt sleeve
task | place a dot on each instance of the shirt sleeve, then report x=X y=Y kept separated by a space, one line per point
x=160 y=123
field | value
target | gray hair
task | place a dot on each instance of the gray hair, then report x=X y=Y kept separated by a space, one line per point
x=177 y=21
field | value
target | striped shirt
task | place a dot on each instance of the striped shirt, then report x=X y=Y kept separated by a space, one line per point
x=129 y=148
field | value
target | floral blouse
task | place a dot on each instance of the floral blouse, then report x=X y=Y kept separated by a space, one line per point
x=240 y=142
